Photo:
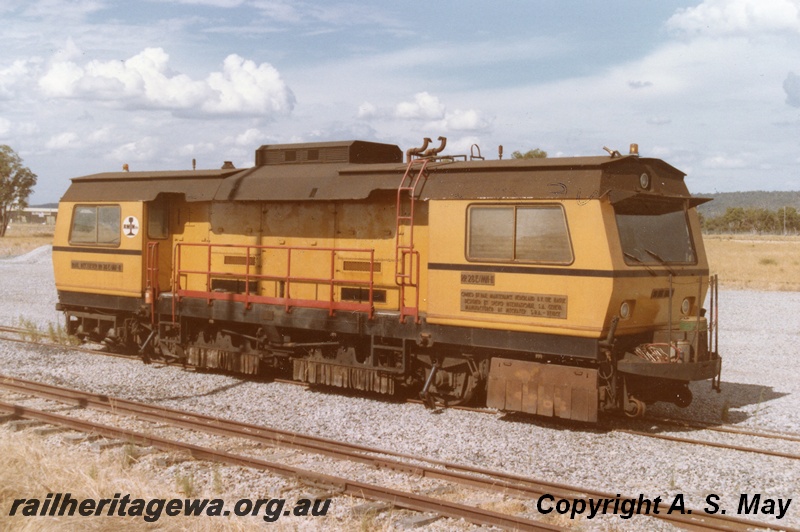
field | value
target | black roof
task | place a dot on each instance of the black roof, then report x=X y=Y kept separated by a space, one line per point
x=342 y=179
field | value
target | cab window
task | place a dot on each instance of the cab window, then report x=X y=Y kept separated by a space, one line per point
x=518 y=233
x=95 y=224
x=655 y=232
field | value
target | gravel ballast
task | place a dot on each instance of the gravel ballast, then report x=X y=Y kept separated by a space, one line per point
x=760 y=390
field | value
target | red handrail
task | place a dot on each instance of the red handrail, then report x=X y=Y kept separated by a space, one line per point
x=285 y=299
x=151 y=275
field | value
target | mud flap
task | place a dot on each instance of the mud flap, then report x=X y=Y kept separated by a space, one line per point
x=543 y=389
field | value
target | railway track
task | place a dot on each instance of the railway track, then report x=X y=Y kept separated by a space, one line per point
x=189 y=421
x=492 y=481
x=677 y=423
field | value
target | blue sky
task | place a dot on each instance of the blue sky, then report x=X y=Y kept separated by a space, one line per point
x=712 y=86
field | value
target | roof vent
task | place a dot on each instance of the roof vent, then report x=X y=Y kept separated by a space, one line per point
x=353 y=151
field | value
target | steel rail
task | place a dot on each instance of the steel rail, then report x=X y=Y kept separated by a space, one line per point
x=494 y=481
x=420 y=503
x=718 y=445
x=675 y=422
x=788 y=436
x=687 y=423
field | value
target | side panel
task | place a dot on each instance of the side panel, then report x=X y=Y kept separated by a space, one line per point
x=361 y=225
x=564 y=299
x=105 y=268
x=297 y=225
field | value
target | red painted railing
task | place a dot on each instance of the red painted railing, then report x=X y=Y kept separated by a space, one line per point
x=151 y=289
x=269 y=272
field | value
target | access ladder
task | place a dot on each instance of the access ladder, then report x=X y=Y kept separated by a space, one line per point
x=406 y=258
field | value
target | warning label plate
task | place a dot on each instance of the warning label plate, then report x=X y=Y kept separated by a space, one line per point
x=514 y=304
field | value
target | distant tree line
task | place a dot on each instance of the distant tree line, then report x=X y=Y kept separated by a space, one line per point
x=752 y=220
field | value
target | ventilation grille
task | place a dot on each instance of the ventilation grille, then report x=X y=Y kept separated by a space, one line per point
x=239 y=260
x=361 y=295
x=360 y=266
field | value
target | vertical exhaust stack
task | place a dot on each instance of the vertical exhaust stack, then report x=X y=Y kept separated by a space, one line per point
x=417 y=151
x=433 y=152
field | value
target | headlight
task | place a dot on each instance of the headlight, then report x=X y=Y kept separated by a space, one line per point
x=625 y=310
x=686 y=306
x=644 y=181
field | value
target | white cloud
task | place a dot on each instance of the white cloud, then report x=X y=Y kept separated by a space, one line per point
x=63 y=141
x=12 y=78
x=61 y=80
x=458 y=120
x=431 y=110
x=102 y=135
x=146 y=81
x=367 y=110
x=5 y=126
x=143 y=149
x=63 y=9
x=325 y=17
x=424 y=106
x=725 y=162
x=792 y=87
x=723 y=17
x=69 y=51
x=658 y=120
x=244 y=87
x=212 y=3
x=196 y=149
x=250 y=138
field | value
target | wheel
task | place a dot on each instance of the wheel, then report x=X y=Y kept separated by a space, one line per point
x=452 y=386
x=635 y=408
x=683 y=397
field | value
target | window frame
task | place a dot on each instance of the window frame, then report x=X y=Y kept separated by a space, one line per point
x=515 y=227
x=96 y=242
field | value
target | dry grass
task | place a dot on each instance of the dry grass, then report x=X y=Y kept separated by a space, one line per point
x=22 y=238
x=30 y=468
x=755 y=262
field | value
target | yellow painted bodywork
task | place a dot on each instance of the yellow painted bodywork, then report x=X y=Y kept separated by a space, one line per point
x=68 y=258
x=304 y=245
x=252 y=241
x=586 y=312
x=594 y=292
